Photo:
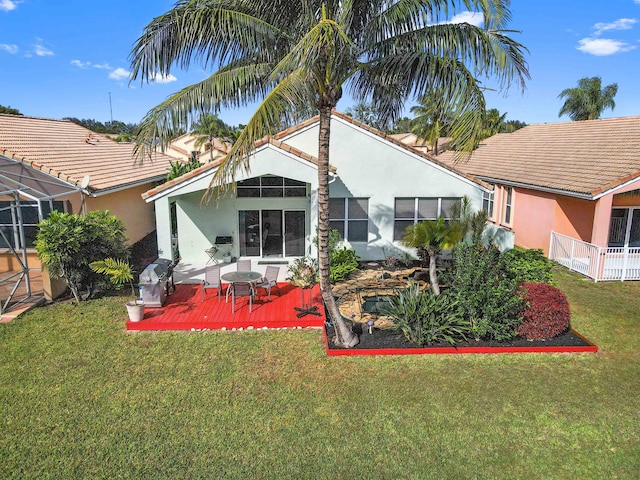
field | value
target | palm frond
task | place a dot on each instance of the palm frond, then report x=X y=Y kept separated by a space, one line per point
x=212 y=32
x=289 y=96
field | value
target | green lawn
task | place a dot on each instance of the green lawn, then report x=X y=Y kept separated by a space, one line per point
x=80 y=398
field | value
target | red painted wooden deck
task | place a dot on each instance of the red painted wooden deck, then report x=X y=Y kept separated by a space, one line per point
x=184 y=310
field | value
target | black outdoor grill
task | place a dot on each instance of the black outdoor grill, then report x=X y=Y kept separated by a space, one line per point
x=156 y=282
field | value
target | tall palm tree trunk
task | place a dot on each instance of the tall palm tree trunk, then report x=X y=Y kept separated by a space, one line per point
x=345 y=337
x=433 y=273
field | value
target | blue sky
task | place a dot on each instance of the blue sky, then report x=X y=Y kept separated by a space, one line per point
x=64 y=59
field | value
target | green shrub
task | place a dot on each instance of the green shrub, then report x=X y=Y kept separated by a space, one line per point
x=67 y=244
x=528 y=265
x=487 y=297
x=425 y=318
x=342 y=263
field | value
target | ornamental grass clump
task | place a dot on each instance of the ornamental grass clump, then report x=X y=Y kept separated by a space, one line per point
x=425 y=318
x=547 y=313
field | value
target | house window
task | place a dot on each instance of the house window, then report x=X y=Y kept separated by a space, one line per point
x=30 y=220
x=270 y=186
x=508 y=204
x=350 y=216
x=408 y=211
x=487 y=203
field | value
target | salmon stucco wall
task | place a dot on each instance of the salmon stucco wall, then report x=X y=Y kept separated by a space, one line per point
x=137 y=215
x=536 y=214
x=574 y=217
x=533 y=217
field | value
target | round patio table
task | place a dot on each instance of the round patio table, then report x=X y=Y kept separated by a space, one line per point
x=233 y=277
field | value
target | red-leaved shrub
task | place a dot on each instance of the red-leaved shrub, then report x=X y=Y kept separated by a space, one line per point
x=546 y=313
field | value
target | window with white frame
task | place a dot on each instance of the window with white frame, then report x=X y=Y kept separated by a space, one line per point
x=350 y=216
x=508 y=205
x=411 y=210
x=30 y=220
x=487 y=203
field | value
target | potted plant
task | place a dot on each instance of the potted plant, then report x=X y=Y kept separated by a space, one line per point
x=119 y=272
x=303 y=273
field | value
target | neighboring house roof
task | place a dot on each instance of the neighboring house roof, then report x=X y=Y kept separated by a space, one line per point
x=416 y=142
x=69 y=151
x=182 y=146
x=584 y=159
x=198 y=172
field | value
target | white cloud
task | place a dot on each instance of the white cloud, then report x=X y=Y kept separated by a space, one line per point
x=620 y=24
x=40 y=50
x=7 y=5
x=603 y=46
x=157 y=78
x=103 y=66
x=9 y=47
x=119 y=74
x=472 y=18
x=80 y=64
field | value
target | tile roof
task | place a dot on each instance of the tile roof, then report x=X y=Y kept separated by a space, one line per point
x=277 y=140
x=69 y=151
x=212 y=165
x=585 y=158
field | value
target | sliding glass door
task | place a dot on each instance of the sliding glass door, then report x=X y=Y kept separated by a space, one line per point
x=271 y=233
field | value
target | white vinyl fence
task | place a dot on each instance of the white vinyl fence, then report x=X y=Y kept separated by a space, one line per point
x=599 y=263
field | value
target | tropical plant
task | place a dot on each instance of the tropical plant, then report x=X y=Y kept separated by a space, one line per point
x=68 y=243
x=423 y=317
x=487 y=297
x=588 y=100
x=430 y=237
x=472 y=224
x=431 y=118
x=366 y=113
x=118 y=270
x=9 y=110
x=293 y=56
x=494 y=122
x=342 y=263
x=208 y=128
x=303 y=272
x=180 y=167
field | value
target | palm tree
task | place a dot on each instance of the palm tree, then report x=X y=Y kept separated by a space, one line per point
x=207 y=129
x=493 y=122
x=588 y=100
x=430 y=237
x=431 y=118
x=293 y=56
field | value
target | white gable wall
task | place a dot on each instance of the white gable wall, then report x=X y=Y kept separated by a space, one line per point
x=369 y=166
x=199 y=224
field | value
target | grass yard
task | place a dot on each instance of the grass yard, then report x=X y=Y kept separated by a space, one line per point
x=80 y=398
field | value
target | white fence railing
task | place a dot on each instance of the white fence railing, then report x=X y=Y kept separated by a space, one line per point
x=599 y=263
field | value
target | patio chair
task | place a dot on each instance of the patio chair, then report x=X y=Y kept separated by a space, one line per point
x=212 y=279
x=244 y=265
x=241 y=289
x=269 y=280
